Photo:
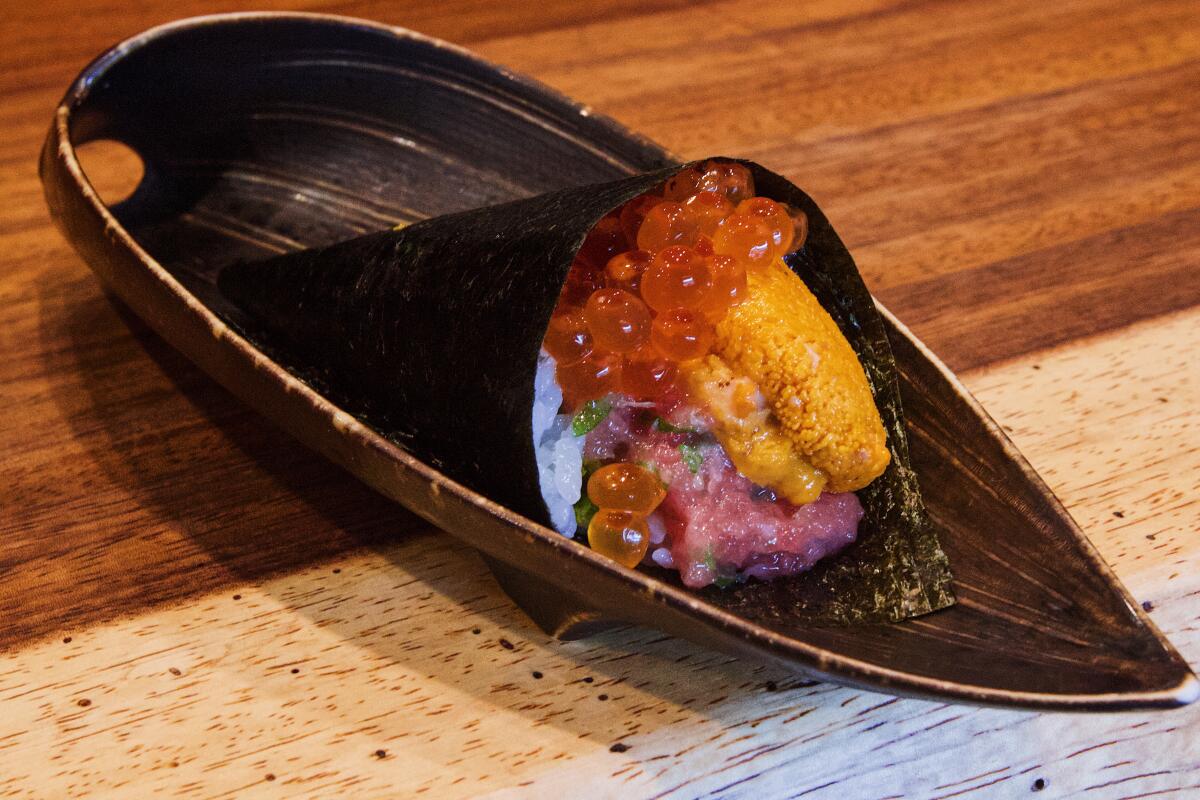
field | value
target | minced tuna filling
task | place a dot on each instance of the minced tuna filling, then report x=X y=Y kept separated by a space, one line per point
x=716 y=526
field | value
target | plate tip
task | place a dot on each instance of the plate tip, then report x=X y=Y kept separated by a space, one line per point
x=1188 y=691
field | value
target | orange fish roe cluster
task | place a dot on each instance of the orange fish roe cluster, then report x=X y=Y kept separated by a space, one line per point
x=625 y=494
x=654 y=278
x=643 y=313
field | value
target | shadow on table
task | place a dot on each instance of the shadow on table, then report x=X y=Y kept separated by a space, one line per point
x=176 y=487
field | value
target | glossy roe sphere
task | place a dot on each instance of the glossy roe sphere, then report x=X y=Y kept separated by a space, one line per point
x=633 y=212
x=678 y=277
x=708 y=209
x=618 y=320
x=646 y=374
x=682 y=334
x=666 y=224
x=625 y=270
x=567 y=337
x=729 y=286
x=581 y=281
x=730 y=179
x=588 y=378
x=620 y=535
x=625 y=487
x=783 y=229
x=748 y=239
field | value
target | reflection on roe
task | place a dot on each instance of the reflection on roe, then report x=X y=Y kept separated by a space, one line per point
x=713 y=437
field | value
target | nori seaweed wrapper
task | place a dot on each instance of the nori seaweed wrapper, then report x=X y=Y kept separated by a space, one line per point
x=431 y=333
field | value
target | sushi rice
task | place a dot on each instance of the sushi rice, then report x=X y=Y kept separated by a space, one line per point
x=559 y=451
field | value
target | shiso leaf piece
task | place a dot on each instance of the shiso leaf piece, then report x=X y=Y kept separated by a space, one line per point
x=431 y=333
x=692 y=457
x=592 y=414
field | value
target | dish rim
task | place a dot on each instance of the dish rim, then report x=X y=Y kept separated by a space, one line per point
x=832 y=666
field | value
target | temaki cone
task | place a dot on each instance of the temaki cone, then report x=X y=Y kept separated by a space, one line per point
x=431 y=334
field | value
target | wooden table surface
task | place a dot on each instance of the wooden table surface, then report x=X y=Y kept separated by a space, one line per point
x=193 y=605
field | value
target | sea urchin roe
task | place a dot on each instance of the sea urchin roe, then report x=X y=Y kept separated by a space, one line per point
x=677 y=278
x=782 y=339
x=681 y=334
x=748 y=432
x=618 y=320
x=667 y=224
x=625 y=487
x=567 y=337
x=620 y=535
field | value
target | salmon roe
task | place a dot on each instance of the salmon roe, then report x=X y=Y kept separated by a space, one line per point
x=648 y=286
x=590 y=377
x=646 y=374
x=667 y=224
x=633 y=212
x=617 y=319
x=626 y=487
x=708 y=209
x=678 y=277
x=682 y=334
x=625 y=269
x=603 y=242
x=728 y=286
x=567 y=337
x=730 y=179
x=621 y=535
x=783 y=228
x=748 y=239
x=581 y=281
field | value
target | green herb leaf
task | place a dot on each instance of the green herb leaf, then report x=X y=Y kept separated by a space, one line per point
x=721 y=581
x=591 y=415
x=691 y=457
x=585 y=509
x=662 y=426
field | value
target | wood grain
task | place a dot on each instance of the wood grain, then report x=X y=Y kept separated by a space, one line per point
x=403 y=668
x=1011 y=176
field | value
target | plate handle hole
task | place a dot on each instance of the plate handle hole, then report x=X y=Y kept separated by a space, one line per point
x=114 y=169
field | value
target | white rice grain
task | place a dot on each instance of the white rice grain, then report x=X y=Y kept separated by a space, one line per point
x=559 y=452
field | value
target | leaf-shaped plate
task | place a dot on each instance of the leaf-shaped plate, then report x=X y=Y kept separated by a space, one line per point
x=263 y=133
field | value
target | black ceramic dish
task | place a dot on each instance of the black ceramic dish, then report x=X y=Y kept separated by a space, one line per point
x=262 y=134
